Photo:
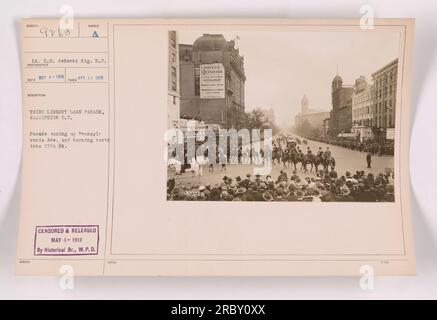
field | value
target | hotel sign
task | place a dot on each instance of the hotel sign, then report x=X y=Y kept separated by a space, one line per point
x=212 y=81
x=390 y=134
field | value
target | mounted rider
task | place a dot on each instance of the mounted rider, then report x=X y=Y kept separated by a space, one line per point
x=320 y=152
x=300 y=154
x=327 y=153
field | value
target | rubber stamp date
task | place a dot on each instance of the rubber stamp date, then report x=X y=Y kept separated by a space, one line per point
x=66 y=240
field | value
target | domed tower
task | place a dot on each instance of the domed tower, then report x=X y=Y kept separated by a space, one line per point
x=336 y=93
x=304 y=105
x=210 y=42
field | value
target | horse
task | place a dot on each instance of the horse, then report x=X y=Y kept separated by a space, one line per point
x=304 y=161
x=276 y=155
x=318 y=160
x=329 y=162
x=285 y=158
x=295 y=158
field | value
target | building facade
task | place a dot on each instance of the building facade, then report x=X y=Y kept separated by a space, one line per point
x=362 y=109
x=327 y=126
x=341 y=99
x=227 y=109
x=362 y=103
x=384 y=95
x=374 y=105
x=173 y=98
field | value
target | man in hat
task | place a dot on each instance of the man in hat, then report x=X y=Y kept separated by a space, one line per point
x=389 y=195
x=170 y=185
x=369 y=160
x=368 y=194
x=311 y=182
x=258 y=194
x=380 y=189
x=300 y=154
x=344 y=194
x=299 y=195
x=316 y=196
x=294 y=177
x=267 y=196
x=327 y=194
x=224 y=195
x=206 y=194
x=215 y=193
x=262 y=186
x=270 y=183
x=371 y=179
x=241 y=193
x=291 y=196
x=238 y=181
x=223 y=160
x=282 y=176
x=333 y=174
x=245 y=183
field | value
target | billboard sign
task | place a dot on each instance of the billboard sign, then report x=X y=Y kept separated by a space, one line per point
x=212 y=81
x=390 y=134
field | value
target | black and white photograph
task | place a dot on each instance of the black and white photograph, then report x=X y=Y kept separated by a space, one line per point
x=128 y=130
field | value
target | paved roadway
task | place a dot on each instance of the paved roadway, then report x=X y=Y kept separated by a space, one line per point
x=346 y=160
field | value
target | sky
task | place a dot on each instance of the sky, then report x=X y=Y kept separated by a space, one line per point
x=282 y=66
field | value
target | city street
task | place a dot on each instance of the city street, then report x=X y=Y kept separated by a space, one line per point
x=346 y=160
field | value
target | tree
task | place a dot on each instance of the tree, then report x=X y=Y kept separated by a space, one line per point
x=257 y=119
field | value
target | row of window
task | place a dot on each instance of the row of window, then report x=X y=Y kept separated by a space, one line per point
x=379 y=93
x=379 y=121
x=380 y=107
x=384 y=121
x=384 y=91
x=388 y=77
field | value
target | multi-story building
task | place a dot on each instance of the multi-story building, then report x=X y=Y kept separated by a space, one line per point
x=384 y=95
x=313 y=118
x=213 y=100
x=269 y=115
x=173 y=98
x=362 y=109
x=374 y=105
x=341 y=97
x=362 y=103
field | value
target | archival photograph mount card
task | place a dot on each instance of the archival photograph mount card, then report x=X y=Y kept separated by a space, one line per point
x=216 y=147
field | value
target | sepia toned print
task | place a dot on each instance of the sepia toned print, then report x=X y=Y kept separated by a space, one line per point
x=282 y=116
x=193 y=148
